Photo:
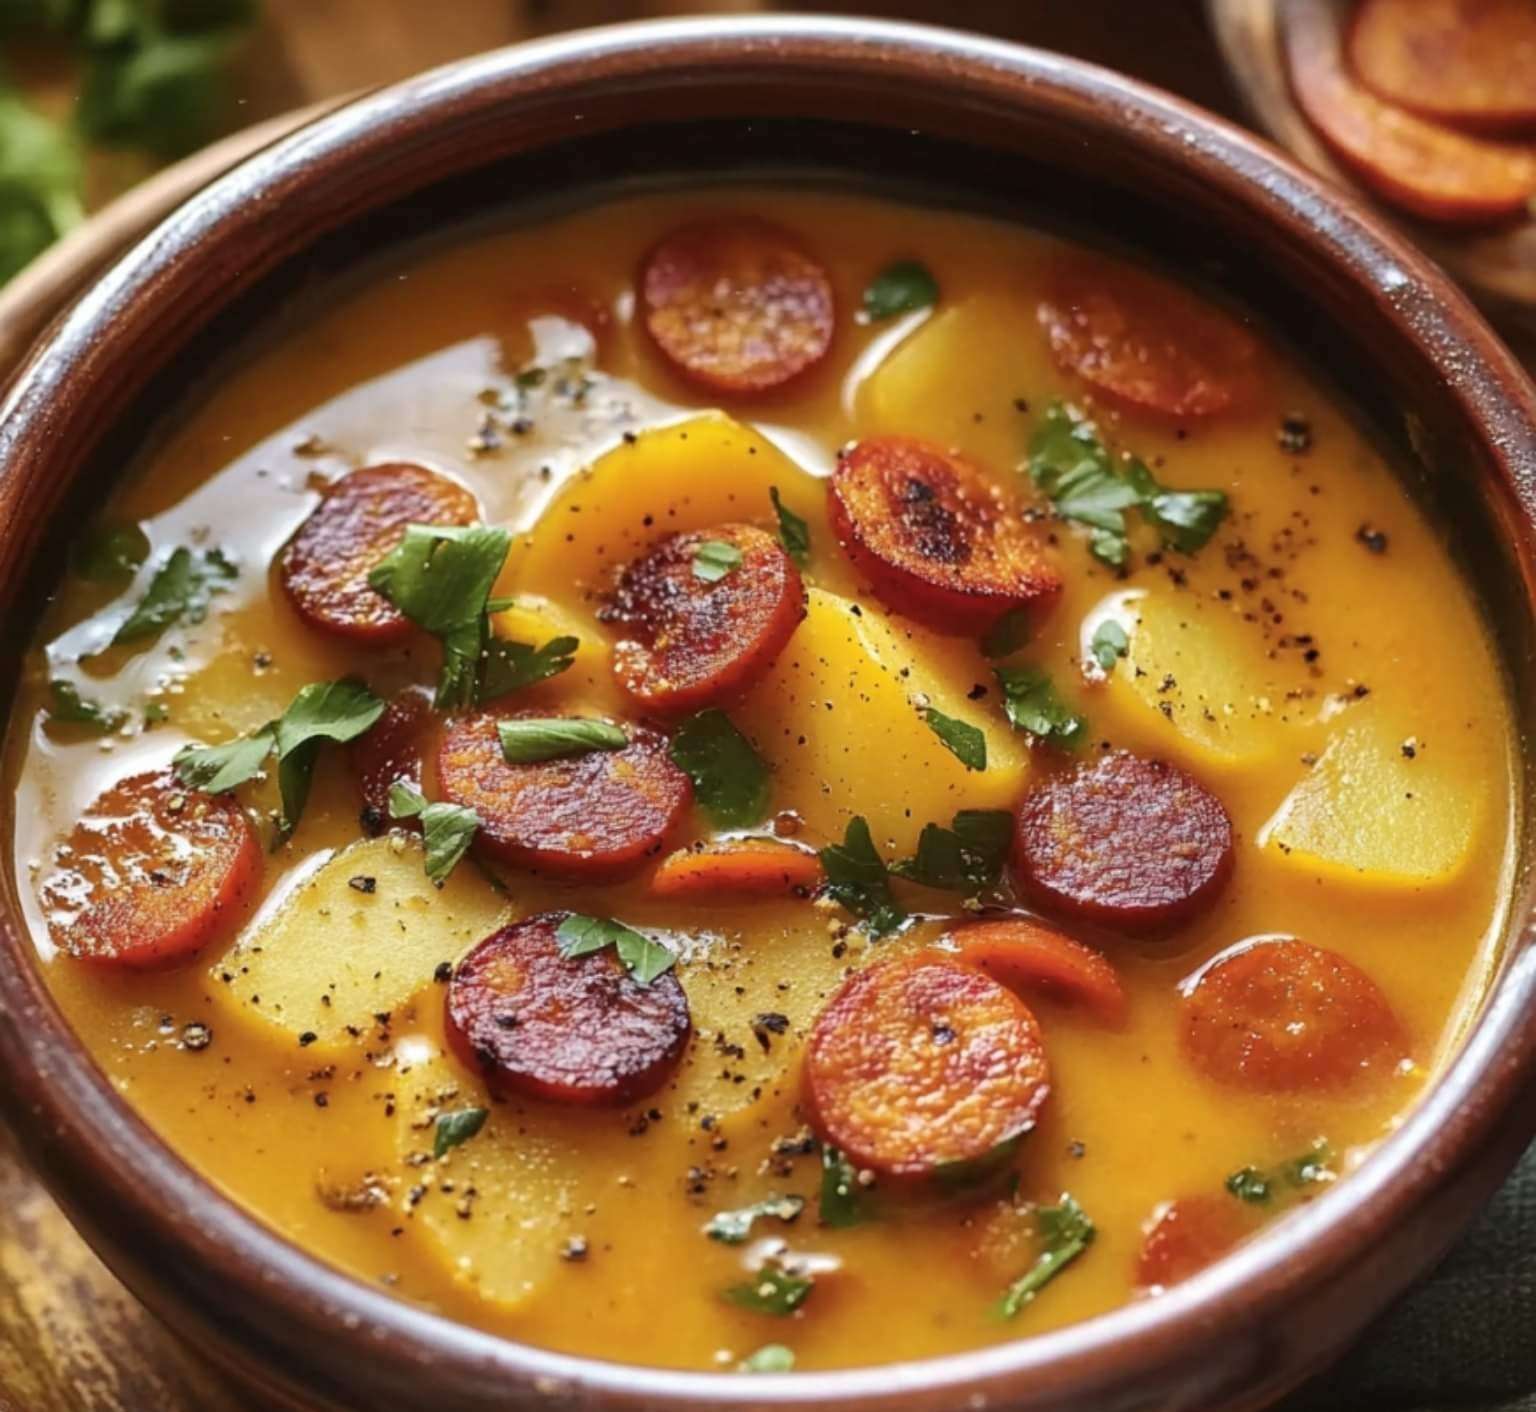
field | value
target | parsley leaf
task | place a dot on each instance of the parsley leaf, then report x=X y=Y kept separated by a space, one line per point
x=180 y=589
x=1009 y=633
x=643 y=958
x=794 y=533
x=1249 y=1184
x=857 y=878
x=68 y=707
x=1031 y=704
x=773 y=1290
x=964 y=741
x=770 y=1358
x=528 y=739
x=447 y=830
x=1186 y=519
x=733 y=1227
x=1256 y=1185
x=440 y=577
x=1065 y=1232
x=899 y=289
x=714 y=559
x=506 y=665
x=1109 y=644
x=843 y=1202
x=729 y=777
x=966 y=857
x=1315 y=1167
x=110 y=553
x=456 y=1127
x=219 y=768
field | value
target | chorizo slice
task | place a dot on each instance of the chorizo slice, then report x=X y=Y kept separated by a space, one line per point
x=1185 y=1236
x=1124 y=843
x=324 y=568
x=1027 y=955
x=1145 y=342
x=152 y=873
x=1287 y=1017
x=736 y=305
x=923 y=1065
x=703 y=615
x=937 y=541
x=596 y=815
x=742 y=867
x=393 y=750
x=576 y=1030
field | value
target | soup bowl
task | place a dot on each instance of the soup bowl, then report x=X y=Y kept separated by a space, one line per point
x=936 y=117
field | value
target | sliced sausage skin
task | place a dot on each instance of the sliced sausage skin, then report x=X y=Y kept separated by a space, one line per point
x=579 y=1031
x=597 y=815
x=736 y=305
x=936 y=540
x=689 y=641
x=1124 y=843
x=1283 y=1016
x=324 y=568
x=151 y=874
x=1028 y=955
x=922 y=1065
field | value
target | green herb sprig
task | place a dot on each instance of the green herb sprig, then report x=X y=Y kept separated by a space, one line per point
x=1032 y=705
x=447 y=830
x=900 y=288
x=734 y=1227
x=773 y=1290
x=643 y=958
x=1065 y=1233
x=858 y=879
x=730 y=780
x=967 y=857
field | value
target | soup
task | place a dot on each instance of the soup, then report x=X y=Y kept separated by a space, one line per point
x=780 y=781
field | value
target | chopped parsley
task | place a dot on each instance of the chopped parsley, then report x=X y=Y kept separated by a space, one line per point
x=770 y=1358
x=729 y=777
x=1009 y=633
x=963 y=740
x=1249 y=1184
x=773 y=1290
x=1032 y=705
x=734 y=1227
x=714 y=559
x=447 y=830
x=900 y=288
x=643 y=958
x=857 y=878
x=68 y=707
x=843 y=1200
x=527 y=740
x=794 y=533
x=179 y=591
x=110 y=552
x=506 y=666
x=966 y=857
x=456 y=1127
x=1065 y=1233
x=1109 y=644
x=1257 y=1185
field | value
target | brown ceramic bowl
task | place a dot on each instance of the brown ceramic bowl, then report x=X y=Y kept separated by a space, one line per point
x=939 y=117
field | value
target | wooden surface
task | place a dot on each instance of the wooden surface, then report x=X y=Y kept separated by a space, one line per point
x=71 y=1338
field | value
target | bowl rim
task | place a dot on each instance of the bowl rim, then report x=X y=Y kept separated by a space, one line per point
x=81 y=1135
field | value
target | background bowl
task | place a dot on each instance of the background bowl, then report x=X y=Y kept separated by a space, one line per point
x=937 y=117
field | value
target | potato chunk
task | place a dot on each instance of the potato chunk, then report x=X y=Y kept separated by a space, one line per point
x=363 y=935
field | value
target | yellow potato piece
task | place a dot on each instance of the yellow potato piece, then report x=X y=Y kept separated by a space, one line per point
x=334 y=956
x=1367 y=813
x=838 y=719
x=691 y=475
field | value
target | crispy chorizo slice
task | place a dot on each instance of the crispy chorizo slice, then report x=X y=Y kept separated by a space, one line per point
x=748 y=866
x=923 y=1064
x=937 y=541
x=1287 y=1017
x=1028 y=955
x=324 y=568
x=1471 y=63
x=577 y=1030
x=1125 y=843
x=1185 y=1236
x=1144 y=341
x=393 y=750
x=152 y=873
x=595 y=815
x=703 y=615
x=736 y=305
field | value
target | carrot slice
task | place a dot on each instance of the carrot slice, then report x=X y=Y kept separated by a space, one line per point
x=1287 y=1017
x=1420 y=166
x=578 y=1030
x=393 y=751
x=596 y=815
x=1126 y=843
x=754 y=866
x=736 y=305
x=1146 y=342
x=1185 y=1236
x=152 y=873
x=923 y=1064
x=1027 y=955
x=1467 y=62
x=325 y=566
x=699 y=628
x=939 y=543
